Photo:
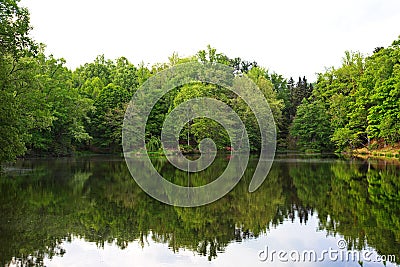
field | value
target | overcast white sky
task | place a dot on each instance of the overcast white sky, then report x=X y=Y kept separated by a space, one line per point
x=291 y=37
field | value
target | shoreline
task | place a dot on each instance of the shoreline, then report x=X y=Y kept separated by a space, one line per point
x=387 y=153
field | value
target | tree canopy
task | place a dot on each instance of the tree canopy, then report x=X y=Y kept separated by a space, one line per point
x=361 y=101
x=48 y=109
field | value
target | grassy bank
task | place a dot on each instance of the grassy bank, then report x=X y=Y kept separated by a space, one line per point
x=387 y=152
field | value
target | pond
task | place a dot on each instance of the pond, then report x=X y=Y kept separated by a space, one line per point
x=310 y=211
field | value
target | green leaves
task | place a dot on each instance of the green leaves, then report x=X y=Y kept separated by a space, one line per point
x=311 y=126
x=14 y=30
x=67 y=109
x=16 y=113
x=362 y=99
x=46 y=108
x=384 y=114
x=106 y=122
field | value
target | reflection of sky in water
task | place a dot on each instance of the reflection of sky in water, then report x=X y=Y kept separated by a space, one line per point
x=288 y=236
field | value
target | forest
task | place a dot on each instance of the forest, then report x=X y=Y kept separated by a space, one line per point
x=48 y=109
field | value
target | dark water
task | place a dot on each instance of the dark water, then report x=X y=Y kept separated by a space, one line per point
x=89 y=212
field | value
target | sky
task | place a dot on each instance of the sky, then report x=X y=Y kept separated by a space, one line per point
x=291 y=37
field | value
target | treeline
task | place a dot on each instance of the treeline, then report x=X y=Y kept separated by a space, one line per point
x=46 y=108
x=51 y=110
x=356 y=105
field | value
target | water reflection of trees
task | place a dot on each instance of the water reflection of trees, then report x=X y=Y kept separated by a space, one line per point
x=360 y=201
x=99 y=201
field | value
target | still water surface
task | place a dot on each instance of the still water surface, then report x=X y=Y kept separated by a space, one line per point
x=89 y=212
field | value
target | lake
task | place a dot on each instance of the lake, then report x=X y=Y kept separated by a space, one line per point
x=310 y=211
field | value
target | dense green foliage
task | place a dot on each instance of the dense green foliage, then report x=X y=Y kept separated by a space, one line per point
x=49 y=109
x=45 y=108
x=39 y=107
x=360 y=103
